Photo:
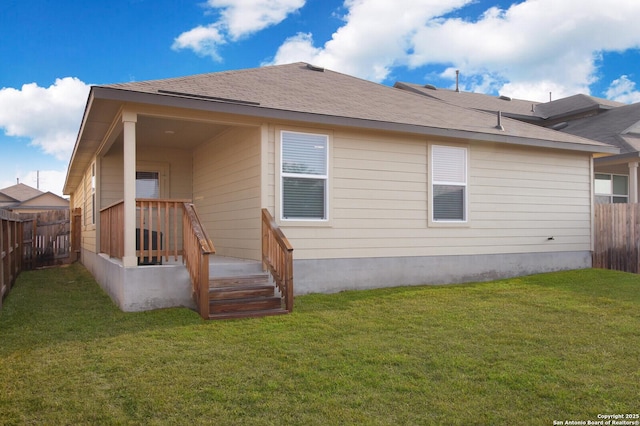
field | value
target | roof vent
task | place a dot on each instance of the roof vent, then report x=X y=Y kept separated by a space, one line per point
x=499 y=125
x=504 y=98
x=430 y=87
x=315 y=68
x=559 y=126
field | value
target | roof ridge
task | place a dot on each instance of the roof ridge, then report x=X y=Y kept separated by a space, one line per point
x=195 y=76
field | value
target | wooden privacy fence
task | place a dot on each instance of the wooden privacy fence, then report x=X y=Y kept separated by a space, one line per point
x=10 y=251
x=47 y=238
x=617 y=237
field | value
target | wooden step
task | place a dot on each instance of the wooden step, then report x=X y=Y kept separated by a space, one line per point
x=245 y=304
x=248 y=314
x=241 y=291
x=239 y=280
x=243 y=296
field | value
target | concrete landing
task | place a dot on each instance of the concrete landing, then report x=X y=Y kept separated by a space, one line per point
x=221 y=266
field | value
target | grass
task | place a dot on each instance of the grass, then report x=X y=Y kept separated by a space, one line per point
x=561 y=346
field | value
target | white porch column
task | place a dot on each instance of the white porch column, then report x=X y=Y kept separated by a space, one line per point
x=129 y=120
x=633 y=182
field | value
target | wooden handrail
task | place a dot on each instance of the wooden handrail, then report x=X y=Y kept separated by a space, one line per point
x=197 y=248
x=277 y=257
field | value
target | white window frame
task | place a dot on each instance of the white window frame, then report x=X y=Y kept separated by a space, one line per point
x=325 y=177
x=610 y=195
x=162 y=169
x=435 y=180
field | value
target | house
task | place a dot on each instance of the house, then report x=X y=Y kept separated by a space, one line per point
x=616 y=177
x=372 y=186
x=21 y=198
x=610 y=122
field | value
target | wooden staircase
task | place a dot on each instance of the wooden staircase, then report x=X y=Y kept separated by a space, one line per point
x=225 y=287
x=240 y=289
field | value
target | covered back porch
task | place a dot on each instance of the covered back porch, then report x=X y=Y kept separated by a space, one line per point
x=164 y=187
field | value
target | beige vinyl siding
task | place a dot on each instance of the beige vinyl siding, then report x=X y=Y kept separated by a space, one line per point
x=518 y=198
x=82 y=196
x=111 y=178
x=226 y=186
x=177 y=163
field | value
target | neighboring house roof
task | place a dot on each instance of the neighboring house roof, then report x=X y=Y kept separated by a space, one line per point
x=304 y=93
x=21 y=192
x=516 y=108
x=574 y=105
x=618 y=127
x=24 y=197
x=520 y=109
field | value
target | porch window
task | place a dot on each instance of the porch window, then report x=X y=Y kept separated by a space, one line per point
x=449 y=183
x=610 y=188
x=304 y=176
x=147 y=185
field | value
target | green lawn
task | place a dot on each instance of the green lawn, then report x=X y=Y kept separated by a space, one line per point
x=561 y=346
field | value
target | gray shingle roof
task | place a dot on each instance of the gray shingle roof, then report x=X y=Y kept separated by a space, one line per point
x=618 y=127
x=573 y=104
x=479 y=101
x=299 y=88
x=517 y=108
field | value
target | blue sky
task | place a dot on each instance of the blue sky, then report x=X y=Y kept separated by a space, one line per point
x=52 y=51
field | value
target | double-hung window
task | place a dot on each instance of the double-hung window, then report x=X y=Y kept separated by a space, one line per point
x=304 y=176
x=449 y=183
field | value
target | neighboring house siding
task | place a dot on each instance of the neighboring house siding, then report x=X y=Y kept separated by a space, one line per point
x=226 y=189
x=519 y=197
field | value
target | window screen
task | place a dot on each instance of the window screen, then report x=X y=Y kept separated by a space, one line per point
x=449 y=176
x=304 y=176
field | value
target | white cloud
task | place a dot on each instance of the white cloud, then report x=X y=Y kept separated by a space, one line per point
x=375 y=38
x=237 y=19
x=528 y=50
x=202 y=40
x=623 y=90
x=49 y=117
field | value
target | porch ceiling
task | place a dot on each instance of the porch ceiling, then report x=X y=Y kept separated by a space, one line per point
x=151 y=131
x=174 y=133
